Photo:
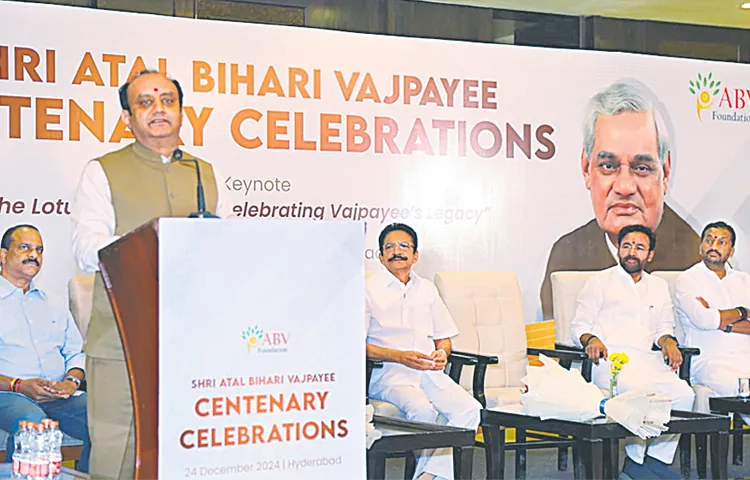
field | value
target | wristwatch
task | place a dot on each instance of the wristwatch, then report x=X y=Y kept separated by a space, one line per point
x=74 y=380
x=728 y=328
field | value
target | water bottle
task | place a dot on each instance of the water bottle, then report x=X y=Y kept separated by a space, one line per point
x=54 y=445
x=29 y=438
x=39 y=464
x=25 y=458
x=20 y=453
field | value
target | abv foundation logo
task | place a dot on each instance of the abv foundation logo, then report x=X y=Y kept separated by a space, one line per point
x=253 y=336
x=259 y=341
x=720 y=103
x=705 y=89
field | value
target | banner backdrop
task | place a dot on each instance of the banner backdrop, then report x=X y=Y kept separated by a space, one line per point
x=478 y=147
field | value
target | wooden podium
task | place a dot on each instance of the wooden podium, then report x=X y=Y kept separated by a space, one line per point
x=130 y=267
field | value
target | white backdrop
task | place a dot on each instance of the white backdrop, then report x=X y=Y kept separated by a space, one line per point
x=525 y=203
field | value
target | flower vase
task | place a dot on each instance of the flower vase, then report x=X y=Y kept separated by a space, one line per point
x=613 y=387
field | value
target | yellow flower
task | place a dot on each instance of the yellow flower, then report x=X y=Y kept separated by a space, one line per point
x=618 y=361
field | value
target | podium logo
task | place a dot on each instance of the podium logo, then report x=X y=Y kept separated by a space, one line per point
x=259 y=341
x=705 y=89
x=253 y=336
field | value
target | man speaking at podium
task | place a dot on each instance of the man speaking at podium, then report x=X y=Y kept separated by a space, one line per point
x=117 y=193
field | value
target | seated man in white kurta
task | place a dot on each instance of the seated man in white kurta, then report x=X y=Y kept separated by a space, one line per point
x=624 y=309
x=712 y=305
x=410 y=329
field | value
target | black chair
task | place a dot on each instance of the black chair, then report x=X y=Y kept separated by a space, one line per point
x=524 y=440
x=456 y=361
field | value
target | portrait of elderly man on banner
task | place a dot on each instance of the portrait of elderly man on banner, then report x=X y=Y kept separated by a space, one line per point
x=626 y=163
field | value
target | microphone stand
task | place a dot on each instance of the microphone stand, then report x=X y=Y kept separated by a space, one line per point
x=201 y=213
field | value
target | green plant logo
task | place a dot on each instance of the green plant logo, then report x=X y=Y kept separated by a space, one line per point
x=705 y=90
x=252 y=336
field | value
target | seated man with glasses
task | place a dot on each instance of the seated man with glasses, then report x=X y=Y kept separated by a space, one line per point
x=409 y=328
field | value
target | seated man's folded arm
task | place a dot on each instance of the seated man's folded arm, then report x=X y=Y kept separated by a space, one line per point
x=692 y=309
x=689 y=307
x=742 y=327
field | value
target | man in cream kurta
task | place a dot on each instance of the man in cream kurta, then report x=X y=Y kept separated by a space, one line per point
x=624 y=309
x=409 y=328
x=117 y=193
x=712 y=305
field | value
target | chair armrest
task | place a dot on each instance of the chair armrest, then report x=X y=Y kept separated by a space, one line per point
x=687 y=359
x=480 y=363
x=374 y=363
x=567 y=355
x=690 y=351
x=561 y=354
x=478 y=358
x=456 y=362
x=370 y=365
x=687 y=355
x=683 y=350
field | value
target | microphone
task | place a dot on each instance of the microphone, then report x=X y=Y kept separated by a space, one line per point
x=201 y=213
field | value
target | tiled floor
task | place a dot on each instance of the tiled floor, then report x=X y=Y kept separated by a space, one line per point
x=542 y=464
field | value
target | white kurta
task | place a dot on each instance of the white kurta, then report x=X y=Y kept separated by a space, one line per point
x=724 y=357
x=630 y=317
x=410 y=317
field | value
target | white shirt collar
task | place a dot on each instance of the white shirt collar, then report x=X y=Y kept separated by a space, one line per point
x=728 y=269
x=625 y=275
x=387 y=278
x=165 y=159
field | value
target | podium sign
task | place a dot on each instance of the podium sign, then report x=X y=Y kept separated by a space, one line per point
x=261 y=349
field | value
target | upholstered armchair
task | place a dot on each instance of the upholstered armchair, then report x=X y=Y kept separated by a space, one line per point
x=488 y=309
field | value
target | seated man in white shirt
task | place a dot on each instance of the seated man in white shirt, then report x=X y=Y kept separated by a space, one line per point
x=624 y=309
x=409 y=328
x=712 y=304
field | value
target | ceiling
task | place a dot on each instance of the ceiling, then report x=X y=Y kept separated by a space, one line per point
x=725 y=13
